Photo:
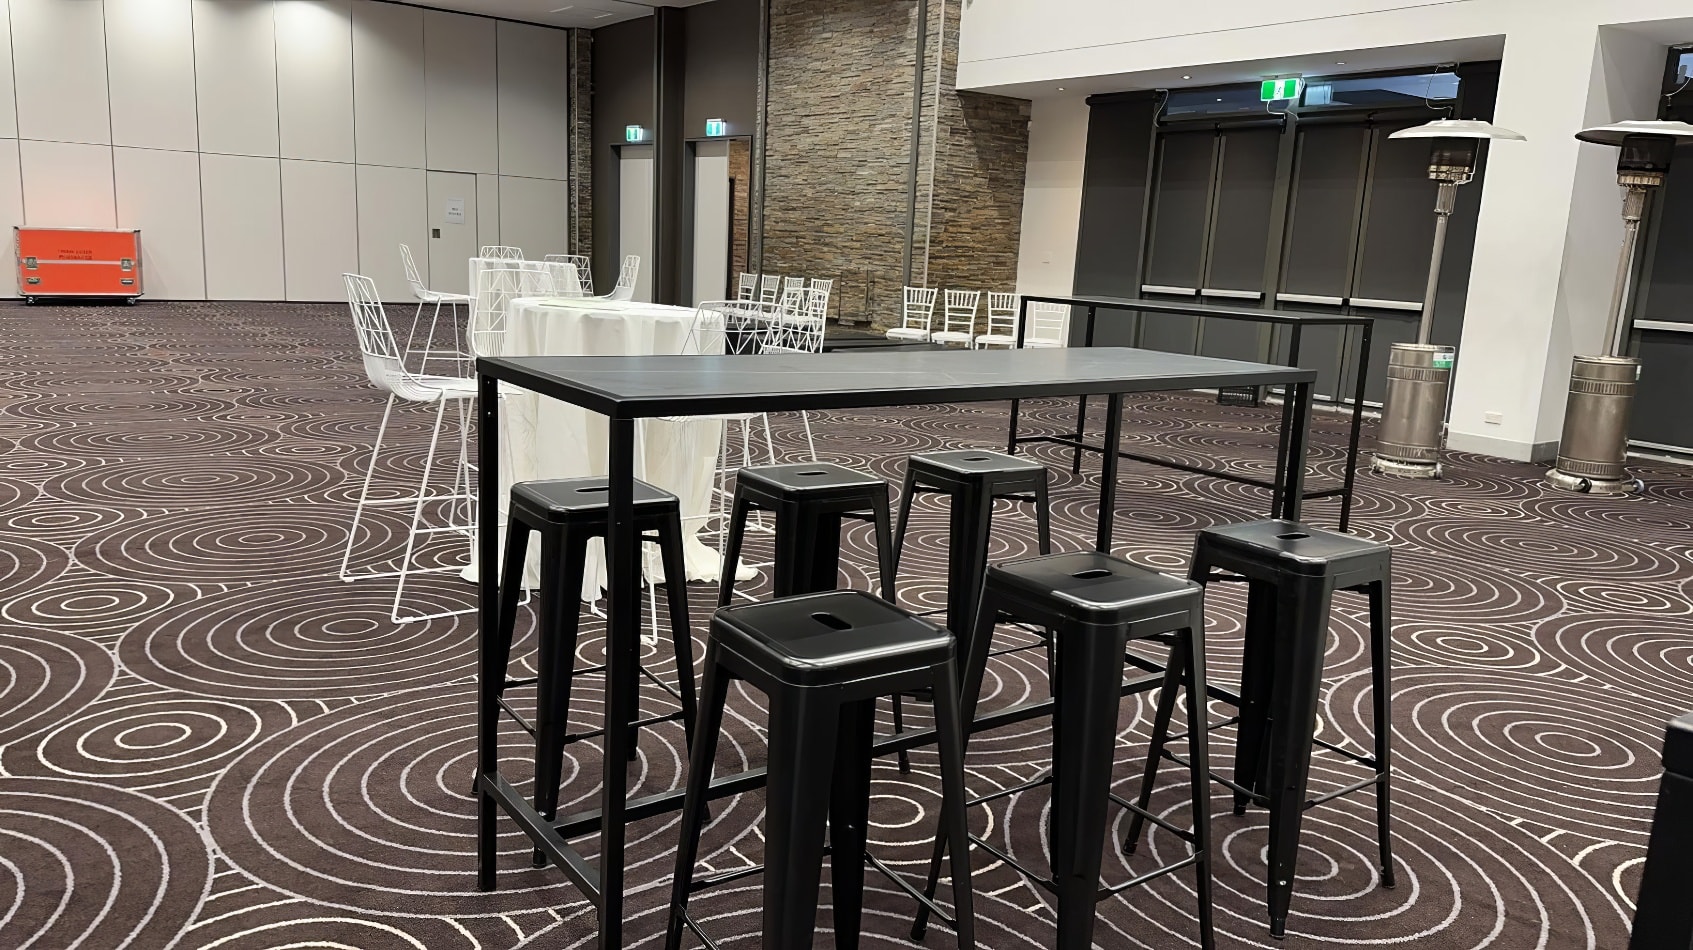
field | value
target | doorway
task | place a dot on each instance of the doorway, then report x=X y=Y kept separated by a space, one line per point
x=452 y=231
x=635 y=216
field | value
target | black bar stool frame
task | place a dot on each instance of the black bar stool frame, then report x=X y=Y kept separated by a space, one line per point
x=810 y=500
x=844 y=650
x=1292 y=572
x=1081 y=597
x=568 y=513
x=972 y=479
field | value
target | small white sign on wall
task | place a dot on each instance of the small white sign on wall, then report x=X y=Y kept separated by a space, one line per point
x=455 y=210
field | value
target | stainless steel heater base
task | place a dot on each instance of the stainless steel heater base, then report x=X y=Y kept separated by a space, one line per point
x=1382 y=465
x=1595 y=441
x=1413 y=414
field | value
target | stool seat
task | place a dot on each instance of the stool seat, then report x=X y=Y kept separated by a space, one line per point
x=806 y=477
x=571 y=499
x=1093 y=588
x=1295 y=548
x=817 y=639
x=976 y=462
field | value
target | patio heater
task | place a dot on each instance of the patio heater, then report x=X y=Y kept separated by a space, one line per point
x=1595 y=440
x=1413 y=414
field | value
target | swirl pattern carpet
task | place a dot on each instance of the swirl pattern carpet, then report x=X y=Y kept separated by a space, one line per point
x=208 y=740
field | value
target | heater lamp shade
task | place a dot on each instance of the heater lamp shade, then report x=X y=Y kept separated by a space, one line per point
x=1615 y=133
x=1459 y=129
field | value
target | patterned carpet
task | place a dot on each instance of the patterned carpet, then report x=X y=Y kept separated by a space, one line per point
x=206 y=740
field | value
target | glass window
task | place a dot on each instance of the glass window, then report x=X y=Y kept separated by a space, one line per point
x=1220 y=100
x=1381 y=90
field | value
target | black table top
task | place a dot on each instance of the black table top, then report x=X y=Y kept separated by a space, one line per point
x=633 y=387
x=1256 y=314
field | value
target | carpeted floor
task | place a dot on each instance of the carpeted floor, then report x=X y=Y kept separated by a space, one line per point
x=207 y=740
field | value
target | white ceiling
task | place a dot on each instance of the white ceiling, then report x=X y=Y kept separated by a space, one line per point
x=588 y=14
x=1320 y=64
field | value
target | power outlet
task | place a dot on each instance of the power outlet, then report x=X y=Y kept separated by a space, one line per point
x=1493 y=418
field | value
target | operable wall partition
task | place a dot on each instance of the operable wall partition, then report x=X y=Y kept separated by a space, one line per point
x=1306 y=206
x=1663 y=325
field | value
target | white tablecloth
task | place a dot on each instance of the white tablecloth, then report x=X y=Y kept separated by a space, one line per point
x=544 y=438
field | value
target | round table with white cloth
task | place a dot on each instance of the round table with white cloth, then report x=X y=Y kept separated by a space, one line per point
x=543 y=438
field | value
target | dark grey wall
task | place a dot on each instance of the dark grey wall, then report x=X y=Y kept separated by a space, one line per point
x=1113 y=208
x=721 y=64
x=623 y=95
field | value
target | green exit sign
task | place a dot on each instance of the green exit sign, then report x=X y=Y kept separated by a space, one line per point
x=1273 y=90
x=716 y=127
x=634 y=133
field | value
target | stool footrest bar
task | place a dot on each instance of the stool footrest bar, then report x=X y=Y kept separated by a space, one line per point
x=637 y=724
x=517 y=717
x=1178 y=831
x=899 y=881
x=1152 y=875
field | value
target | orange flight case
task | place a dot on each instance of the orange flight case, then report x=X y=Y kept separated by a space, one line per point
x=78 y=262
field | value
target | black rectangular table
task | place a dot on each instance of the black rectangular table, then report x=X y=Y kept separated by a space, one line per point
x=628 y=388
x=1297 y=320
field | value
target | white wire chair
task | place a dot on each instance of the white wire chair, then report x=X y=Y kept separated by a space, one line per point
x=577 y=272
x=426 y=297
x=959 y=318
x=817 y=298
x=496 y=288
x=917 y=317
x=769 y=288
x=748 y=287
x=501 y=252
x=1049 y=325
x=626 y=277
x=386 y=369
x=1002 y=322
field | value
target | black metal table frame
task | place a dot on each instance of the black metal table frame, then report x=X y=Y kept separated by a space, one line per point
x=1077 y=440
x=604 y=885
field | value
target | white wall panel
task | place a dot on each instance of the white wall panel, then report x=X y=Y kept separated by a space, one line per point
x=534 y=215
x=488 y=210
x=150 y=62
x=388 y=83
x=8 y=97
x=235 y=76
x=320 y=228
x=534 y=101
x=314 y=79
x=393 y=209
x=59 y=59
x=461 y=92
x=11 y=208
x=242 y=198
x=67 y=185
x=159 y=192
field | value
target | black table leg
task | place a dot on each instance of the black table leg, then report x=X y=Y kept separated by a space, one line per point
x=490 y=677
x=1016 y=404
x=1357 y=421
x=1295 y=435
x=1108 y=472
x=1082 y=407
x=623 y=573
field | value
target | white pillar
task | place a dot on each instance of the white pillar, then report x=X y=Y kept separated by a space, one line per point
x=1052 y=196
x=1549 y=231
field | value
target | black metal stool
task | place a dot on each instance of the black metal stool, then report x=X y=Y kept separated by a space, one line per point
x=568 y=513
x=810 y=499
x=1292 y=572
x=971 y=479
x=1096 y=605
x=823 y=659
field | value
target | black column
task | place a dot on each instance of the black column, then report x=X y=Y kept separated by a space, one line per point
x=669 y=63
